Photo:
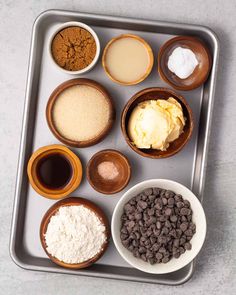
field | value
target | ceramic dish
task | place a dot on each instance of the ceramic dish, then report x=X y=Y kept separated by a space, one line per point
x=74 y=201
x=109 y=186
x=60 y=192
x=54 y=96
x=158 y=93
x=83 y=26
x=198 y=218
x=200 y=73
x=146 y=46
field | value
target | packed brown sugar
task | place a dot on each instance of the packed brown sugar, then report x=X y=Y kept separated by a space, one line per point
x=73 y=48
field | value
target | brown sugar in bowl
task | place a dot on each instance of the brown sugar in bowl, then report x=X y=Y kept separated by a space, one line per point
x=53 y=98
x=74 y=48
x=158 y=93
x=200 y=73
x=111 y=186
x=59 y=192
x=74 y=201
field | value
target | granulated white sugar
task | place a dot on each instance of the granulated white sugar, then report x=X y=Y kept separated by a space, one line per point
x=80 y=113
x=74 y=234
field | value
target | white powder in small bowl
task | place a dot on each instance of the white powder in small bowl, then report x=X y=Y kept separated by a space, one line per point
x=80 y=113
x=182 y=62
x=74 y=234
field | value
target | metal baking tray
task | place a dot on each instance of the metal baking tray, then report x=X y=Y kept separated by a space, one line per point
x=187 y=167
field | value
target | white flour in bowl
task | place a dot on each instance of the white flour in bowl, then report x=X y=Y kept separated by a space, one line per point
x=74 y=234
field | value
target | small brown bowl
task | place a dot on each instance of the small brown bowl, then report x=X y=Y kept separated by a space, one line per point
x=74 y=201
x=158 y=93
x=43 y=153
x=200 y=73
x=146 y=45
x=55 y=94
x=109 y=186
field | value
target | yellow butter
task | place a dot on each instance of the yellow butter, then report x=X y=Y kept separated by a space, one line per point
x=156 y=123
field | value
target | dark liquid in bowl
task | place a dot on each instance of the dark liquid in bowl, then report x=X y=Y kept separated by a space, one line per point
x=54 y=171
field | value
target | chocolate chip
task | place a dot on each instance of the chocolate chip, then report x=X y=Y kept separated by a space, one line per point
x=128 y=208
x=164 y=231
x=184 y=219
x=178 y=232
x=171 y=201
x=124 y=230
x=168 y=224
x=164 y=201
x=183 y=226
x=186 y=203
x=151 y=198
x=156 y=232
x=182 y=250
x=182 y=241
x=162 y=240
x=176 y=243
x=176 y=255
x=172 y=233
x=148 y=191
x=185 y=211
x=143 y=257
x=159 y=256
x=156 y=191
x=169 y=194
x=152 y=260
x=155 y=247
x=158 y=206
x=142 y=204
x=156 y=225
x=173 y=218
x=168 y=212
x=165 y=259
x=123 y=236
x=189 y=233
x=151 y=212
x=187 y=246
x=138 y=216
x=178 y=198
x=162 y=250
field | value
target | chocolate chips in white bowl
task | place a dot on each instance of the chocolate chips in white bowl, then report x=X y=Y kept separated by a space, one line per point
x=156 y=225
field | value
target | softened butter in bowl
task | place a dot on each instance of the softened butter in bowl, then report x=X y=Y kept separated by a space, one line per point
x=156 y=123
x=128 y=59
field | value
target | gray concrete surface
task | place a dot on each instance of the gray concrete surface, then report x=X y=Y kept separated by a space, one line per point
x=216 y=267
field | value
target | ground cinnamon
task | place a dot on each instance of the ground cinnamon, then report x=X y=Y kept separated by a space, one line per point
x=73 y=48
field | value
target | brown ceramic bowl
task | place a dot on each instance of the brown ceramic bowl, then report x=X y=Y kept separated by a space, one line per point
x=109 y=186
x=158 y=93
x=73 y=201
x=202 y=70
x=54 y=193
x=146 y=45
x=53 y=98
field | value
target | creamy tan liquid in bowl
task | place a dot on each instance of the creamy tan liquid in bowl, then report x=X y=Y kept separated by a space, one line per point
x=127 y=59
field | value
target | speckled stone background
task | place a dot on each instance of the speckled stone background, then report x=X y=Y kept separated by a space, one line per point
x=216 y=265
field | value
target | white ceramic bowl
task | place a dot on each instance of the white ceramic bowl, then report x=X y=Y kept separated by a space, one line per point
x=91 y=31
x=198 y=218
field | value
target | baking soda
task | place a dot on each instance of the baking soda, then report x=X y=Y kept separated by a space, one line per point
x=182 y=62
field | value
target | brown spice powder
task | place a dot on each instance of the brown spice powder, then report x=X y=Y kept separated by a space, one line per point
x=73 y=48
